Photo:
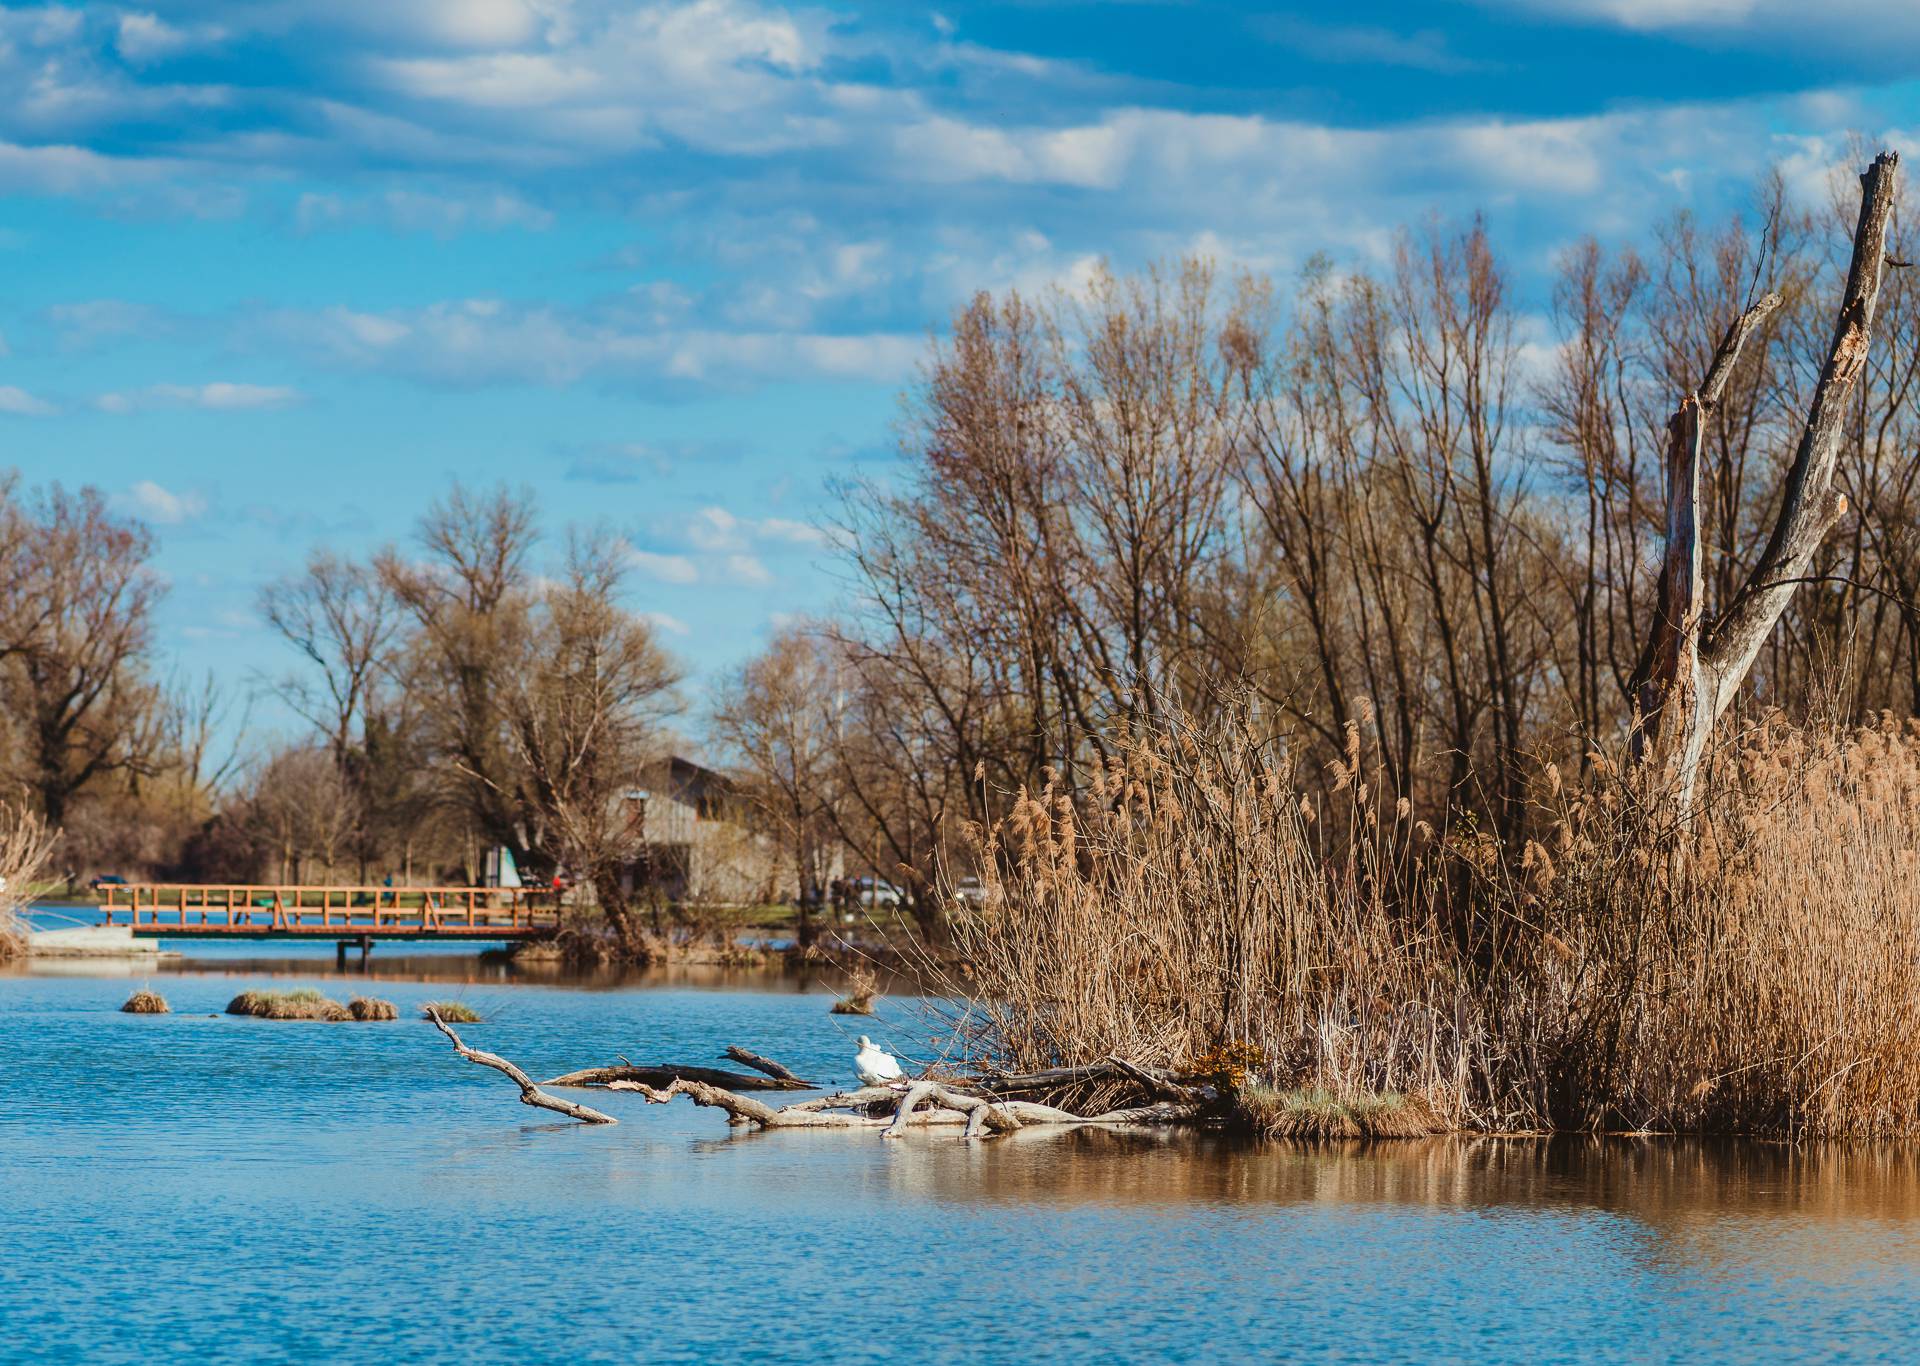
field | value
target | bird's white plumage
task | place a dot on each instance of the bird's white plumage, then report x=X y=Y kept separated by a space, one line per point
x=873 y=1065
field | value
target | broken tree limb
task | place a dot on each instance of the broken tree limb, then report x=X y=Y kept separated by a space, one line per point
x=983 y=1117
x=664 y=1073
x=1156 y=1084
x=766 y=1065
x=1058 y=1078
x=923 y=1103
x=530 y=1094
x=1690 y=674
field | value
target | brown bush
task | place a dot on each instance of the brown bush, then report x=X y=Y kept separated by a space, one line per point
x=1760 y=974
x=303 y=1004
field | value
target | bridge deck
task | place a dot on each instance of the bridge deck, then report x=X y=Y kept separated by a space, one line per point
x=257 y=911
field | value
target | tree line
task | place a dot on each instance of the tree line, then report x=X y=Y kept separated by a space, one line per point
x=1393 y=499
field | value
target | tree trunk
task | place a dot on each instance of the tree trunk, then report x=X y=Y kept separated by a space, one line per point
x=1689 y=675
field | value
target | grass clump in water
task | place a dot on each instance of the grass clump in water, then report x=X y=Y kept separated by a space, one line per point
x=302 y=1004
x=1315 y=1113
x=372 y=1008
x=862 y=991
x=453 y=1012
x=144 y=1002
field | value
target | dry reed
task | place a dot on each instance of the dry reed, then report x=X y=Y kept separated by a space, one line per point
x=146 y=1002
x=25 y=844
x=453 y=1012
x=302 y=1004
x=372 y=1008
x=862 y=990
x=1761 y=975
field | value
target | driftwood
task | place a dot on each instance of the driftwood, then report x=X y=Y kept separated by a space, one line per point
x=1054 y=1079
x=1690 y=670
x=530 y=1094
x=981 y=1106
x=893 y=1111
x=665 y=1073
x=767 y=1065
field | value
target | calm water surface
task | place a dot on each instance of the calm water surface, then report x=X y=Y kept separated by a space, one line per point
x=200 y=1187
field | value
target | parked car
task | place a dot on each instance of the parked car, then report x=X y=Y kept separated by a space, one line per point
x=970 y=893
x=874 y=894
x=107 y=880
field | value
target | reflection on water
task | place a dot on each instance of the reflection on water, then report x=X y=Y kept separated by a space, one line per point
x=196 y=1186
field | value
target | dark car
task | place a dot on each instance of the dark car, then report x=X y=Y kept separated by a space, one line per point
x=107 y=880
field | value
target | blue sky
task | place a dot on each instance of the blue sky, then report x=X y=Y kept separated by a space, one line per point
x=276 y=271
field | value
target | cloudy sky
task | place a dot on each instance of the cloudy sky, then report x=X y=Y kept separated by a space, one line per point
x=277 y=270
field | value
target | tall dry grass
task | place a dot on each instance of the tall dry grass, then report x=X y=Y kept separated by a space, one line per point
x=1760 y=974
x=25 y=845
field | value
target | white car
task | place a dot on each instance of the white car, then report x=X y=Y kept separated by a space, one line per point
x=970 y=892
x=874 y=894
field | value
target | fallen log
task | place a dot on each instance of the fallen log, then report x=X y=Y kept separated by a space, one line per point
x=1158 y=1083
x=665 y=1073
x=530 y=1094
x=1059 y=1078
x=981 y=1116
x=767 y=1065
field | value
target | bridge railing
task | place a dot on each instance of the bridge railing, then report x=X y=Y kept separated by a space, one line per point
x=292 y=908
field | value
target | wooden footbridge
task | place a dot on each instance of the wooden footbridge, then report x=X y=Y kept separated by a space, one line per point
x=348 y=915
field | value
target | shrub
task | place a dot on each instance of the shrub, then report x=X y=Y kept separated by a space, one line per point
x=453 y=1012
x=1322 y=1115
x=302 y=1004
x=862 y=991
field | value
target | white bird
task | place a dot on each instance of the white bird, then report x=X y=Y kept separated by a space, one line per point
x=874 y=1065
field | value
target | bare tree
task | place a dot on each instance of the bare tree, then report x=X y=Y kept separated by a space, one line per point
x=1693 y=669
x=469 y=599
x=342 y=618
x=75 y=612
x=780 y=715
x=583 y=703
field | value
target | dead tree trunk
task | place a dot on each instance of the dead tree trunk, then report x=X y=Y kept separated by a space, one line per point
x=530 y=1093
x=1689 y=674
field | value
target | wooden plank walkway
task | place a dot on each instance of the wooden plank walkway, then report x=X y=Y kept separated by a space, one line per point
x=362 y=914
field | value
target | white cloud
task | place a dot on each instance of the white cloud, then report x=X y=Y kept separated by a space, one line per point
x=1768 y=20
x=218 y=396
x=662 y=621
x=714 y=528
x=717 y=530
x=143 y=38
x=20 y=403
x=155 y=503
x=56 y=168
x=1649 y=14
x=727 y=75
x=748 y=571
x=799 y=533
x=408 y=210
x=666 y=568
x=487 y=341
x=94 y=321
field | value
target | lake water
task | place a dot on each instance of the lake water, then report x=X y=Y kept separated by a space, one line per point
x=195 y=1186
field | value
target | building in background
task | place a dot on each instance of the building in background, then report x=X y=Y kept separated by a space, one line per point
x=701 y=841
